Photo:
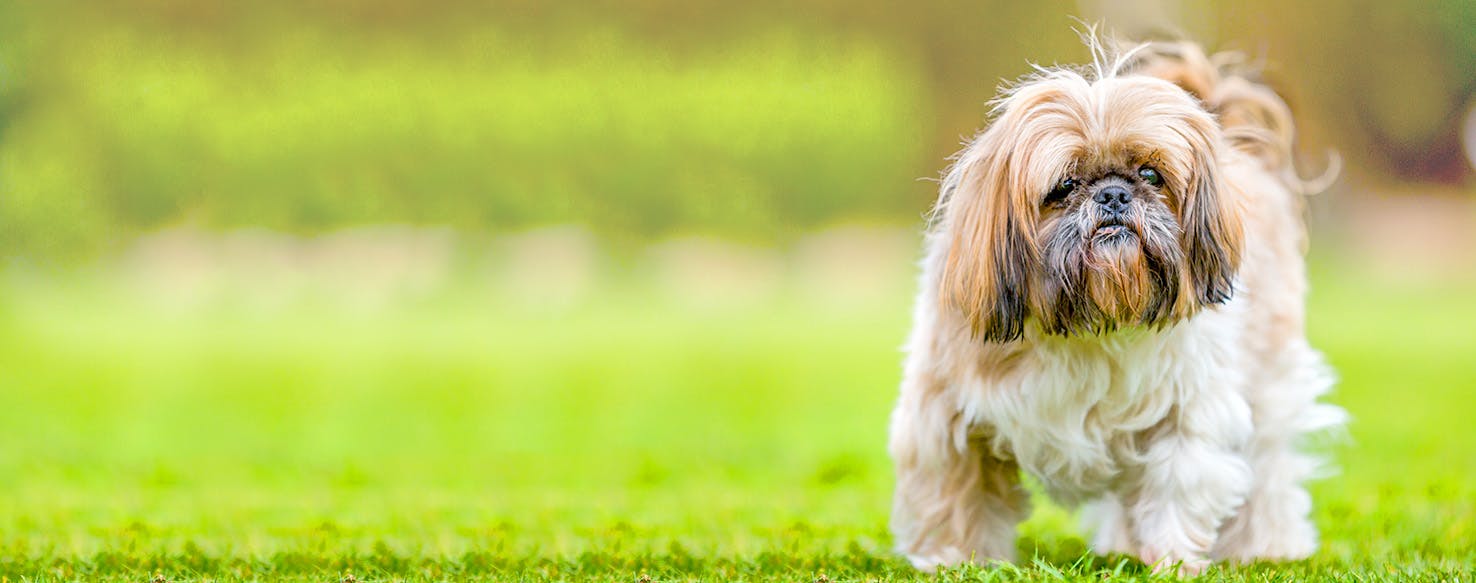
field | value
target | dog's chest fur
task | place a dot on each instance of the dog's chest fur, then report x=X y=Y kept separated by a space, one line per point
x=1077 y=412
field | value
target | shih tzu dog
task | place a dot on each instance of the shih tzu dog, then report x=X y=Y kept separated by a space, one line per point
x=1112 y=301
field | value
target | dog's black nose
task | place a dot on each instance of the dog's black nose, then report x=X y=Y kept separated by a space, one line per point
x=1114 y=198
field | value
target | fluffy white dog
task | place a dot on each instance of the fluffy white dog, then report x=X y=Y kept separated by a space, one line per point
x=1112 y=301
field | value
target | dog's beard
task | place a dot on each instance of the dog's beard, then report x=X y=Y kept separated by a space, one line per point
x=1099 y=277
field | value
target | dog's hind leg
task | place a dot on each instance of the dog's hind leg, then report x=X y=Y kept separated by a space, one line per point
x=1274 y=522
x=1112 y=530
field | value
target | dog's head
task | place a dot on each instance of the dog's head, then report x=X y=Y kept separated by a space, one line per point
x=1088 y=205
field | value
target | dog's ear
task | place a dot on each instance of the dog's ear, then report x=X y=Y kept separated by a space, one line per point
x=1213 y=233
x=987 y=269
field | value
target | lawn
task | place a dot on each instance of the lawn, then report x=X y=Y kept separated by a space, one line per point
x=464 y=435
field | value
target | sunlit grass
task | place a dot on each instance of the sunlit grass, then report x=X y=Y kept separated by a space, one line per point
x=462 y=434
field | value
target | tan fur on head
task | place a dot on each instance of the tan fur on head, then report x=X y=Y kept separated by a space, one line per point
x=989 y=248
x=1002 y=268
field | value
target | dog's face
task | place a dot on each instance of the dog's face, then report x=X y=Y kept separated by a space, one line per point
x=1088 y=206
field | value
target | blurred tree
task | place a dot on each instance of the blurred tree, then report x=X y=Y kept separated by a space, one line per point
x=1384 y=82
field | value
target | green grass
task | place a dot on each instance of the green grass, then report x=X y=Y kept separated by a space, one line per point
x=462 y=436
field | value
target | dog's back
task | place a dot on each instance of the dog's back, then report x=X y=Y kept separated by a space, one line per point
x=1255 y=119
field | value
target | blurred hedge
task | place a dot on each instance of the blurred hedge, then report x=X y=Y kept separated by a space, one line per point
x=302 y=128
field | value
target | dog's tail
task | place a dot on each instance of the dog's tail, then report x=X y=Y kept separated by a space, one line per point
x=1255 y=119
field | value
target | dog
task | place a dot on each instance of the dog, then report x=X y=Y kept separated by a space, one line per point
x=1112 y=300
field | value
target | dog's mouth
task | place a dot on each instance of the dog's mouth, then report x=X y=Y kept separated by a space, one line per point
x=1113 y=231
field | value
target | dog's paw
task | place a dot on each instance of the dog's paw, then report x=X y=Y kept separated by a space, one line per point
x=1181 y=568
x=1292 y=542
x=933 y=561
x=930 y=562
x=1171 y=563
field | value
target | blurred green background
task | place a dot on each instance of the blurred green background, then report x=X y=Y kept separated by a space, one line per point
x=636 y=120
x=584 y=289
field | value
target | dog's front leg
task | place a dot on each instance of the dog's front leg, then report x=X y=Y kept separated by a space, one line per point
x=954 y=501
x=1193 y=478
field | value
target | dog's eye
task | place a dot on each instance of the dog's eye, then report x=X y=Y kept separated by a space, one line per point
x=1150 y=175
x=1060 y=192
